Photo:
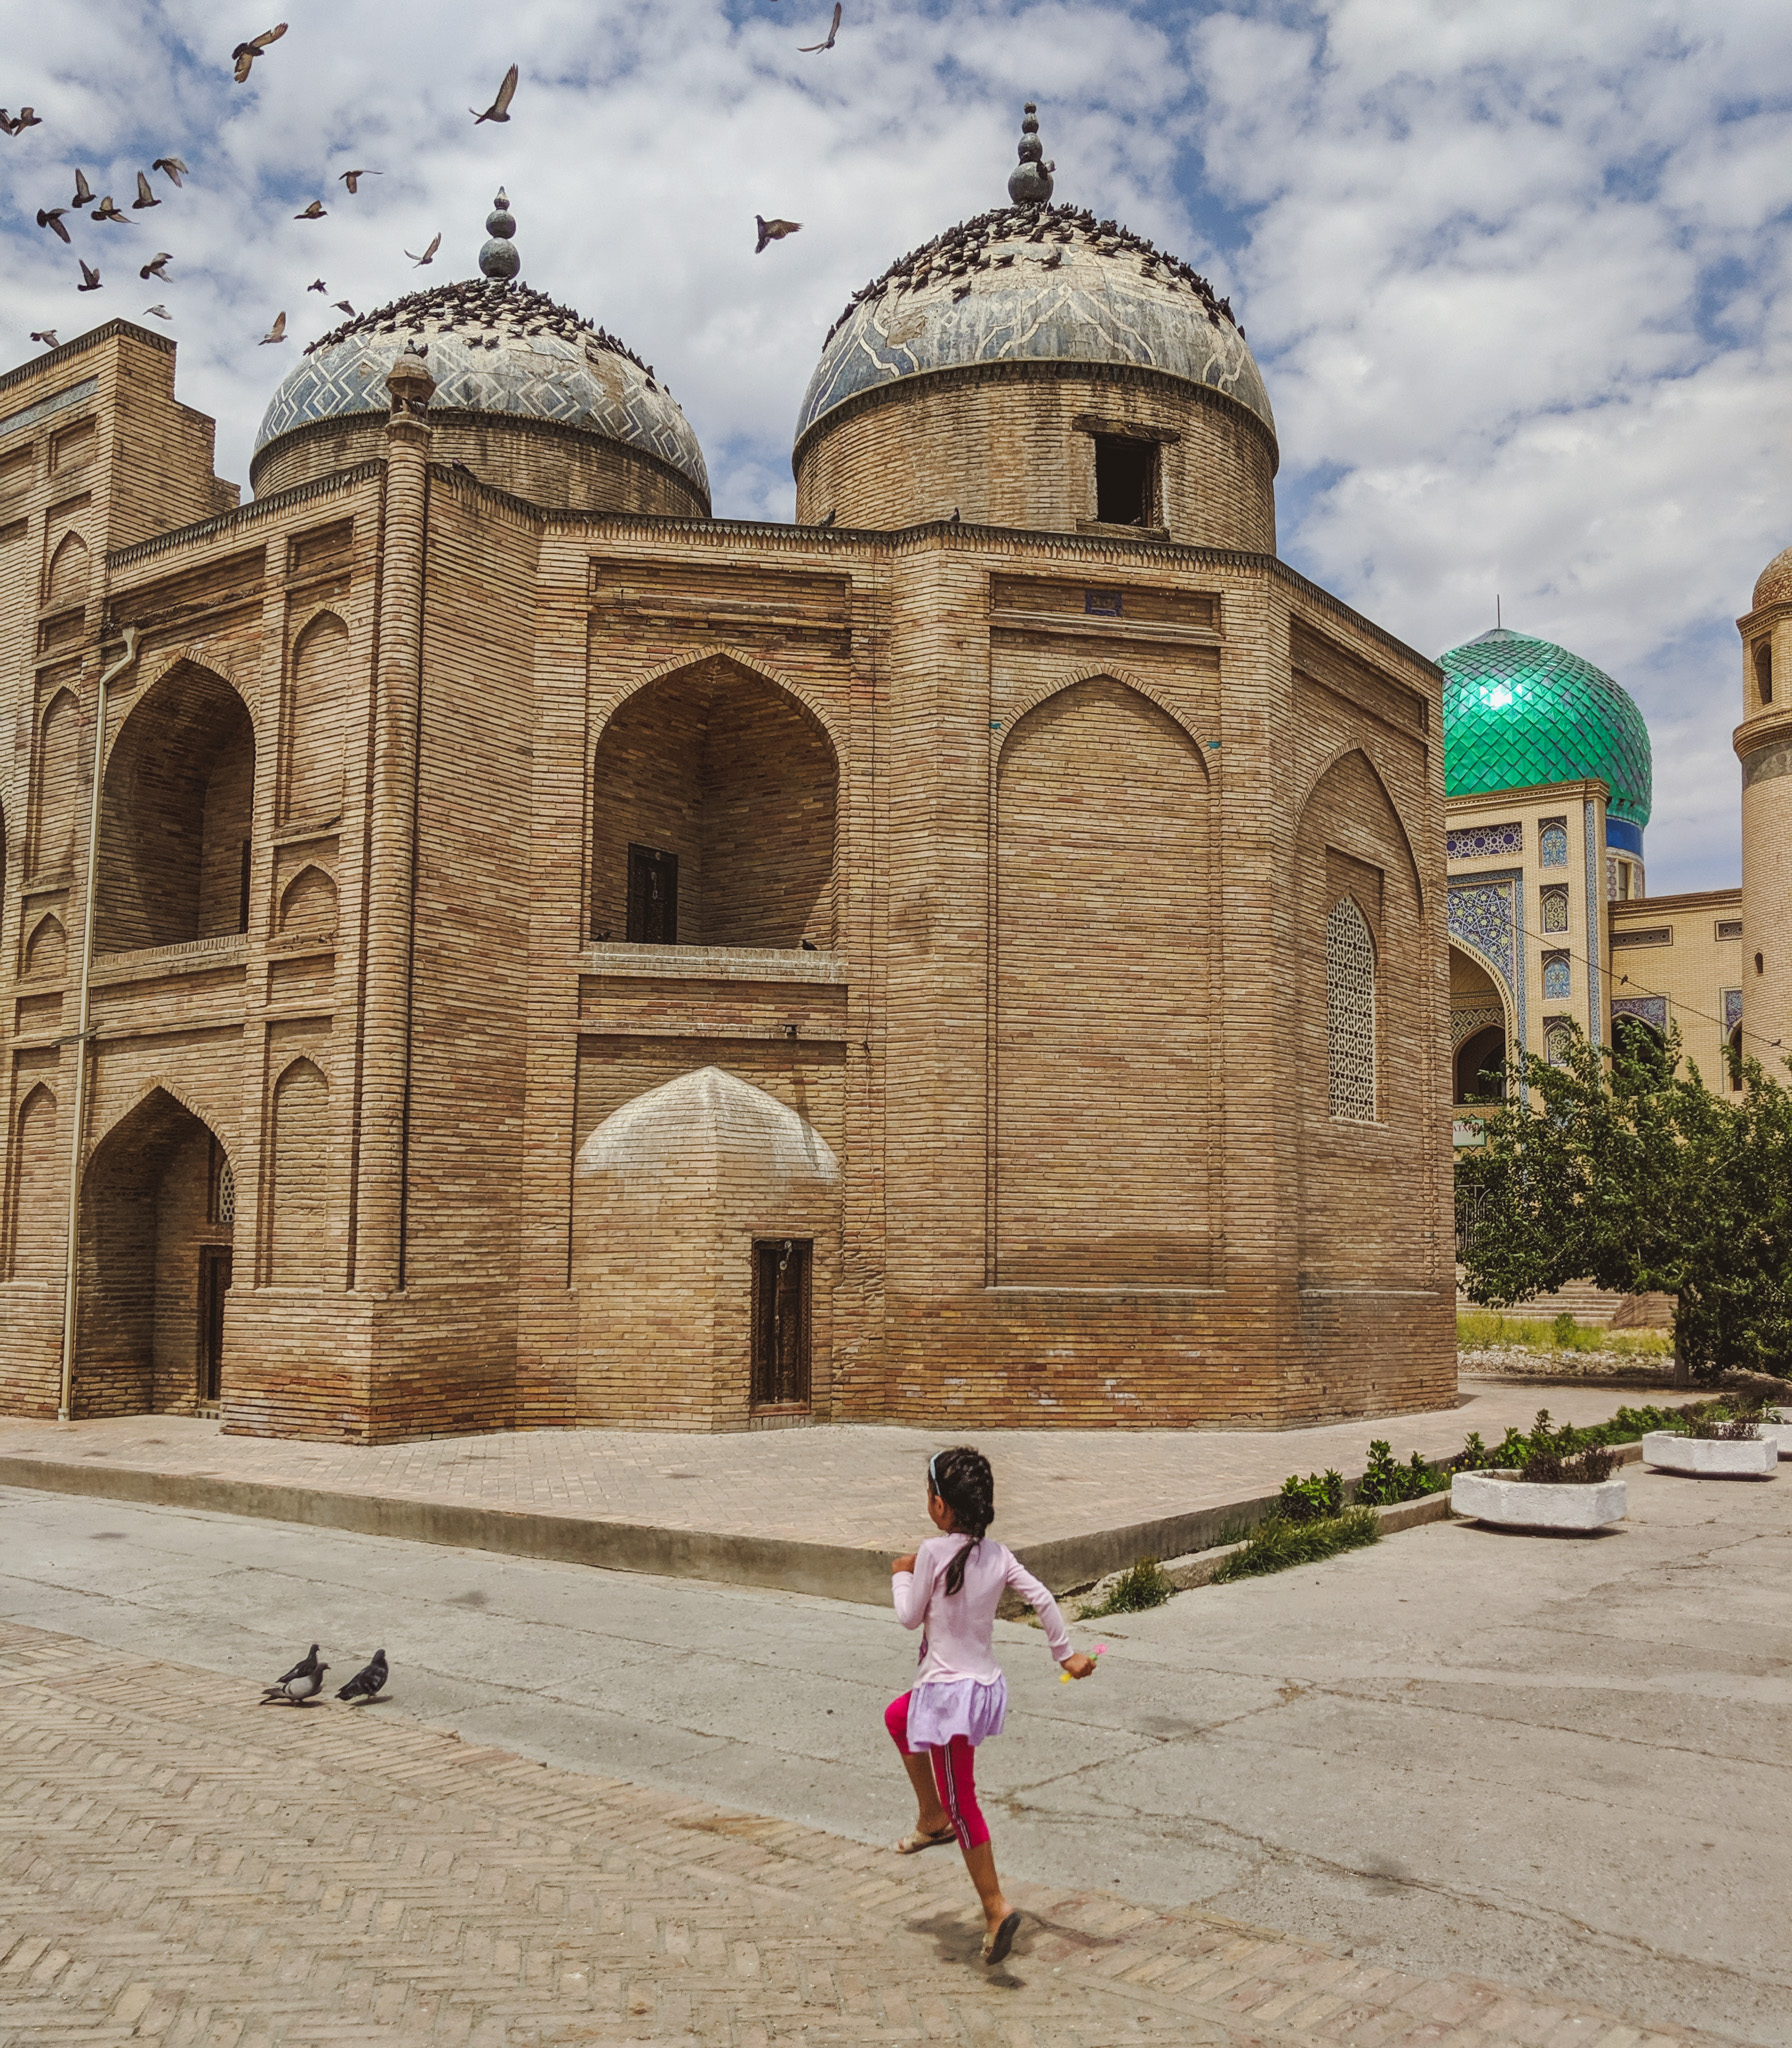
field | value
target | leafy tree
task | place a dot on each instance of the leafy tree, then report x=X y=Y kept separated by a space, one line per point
x=1613 y=1165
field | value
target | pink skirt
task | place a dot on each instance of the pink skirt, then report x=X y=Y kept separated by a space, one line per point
x=941 y=1708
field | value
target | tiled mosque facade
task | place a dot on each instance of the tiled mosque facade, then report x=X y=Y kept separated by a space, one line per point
x=490 y=945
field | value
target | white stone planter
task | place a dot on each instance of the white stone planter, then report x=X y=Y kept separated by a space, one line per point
x=1779 y=1433
x=1503 y=1498
x=1711 y=1457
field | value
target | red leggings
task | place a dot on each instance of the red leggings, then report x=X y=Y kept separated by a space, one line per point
x=954 y=1772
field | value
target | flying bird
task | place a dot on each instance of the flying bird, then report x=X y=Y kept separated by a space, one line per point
x=83 y=190
x=245 y=54
x=499 y=110
x=317 y=285
x=276 y=333
x=47 y=336
x=53 y=221
x=90 y=277
x=105 y=210
x=772 y=231
x=352 y=179
x=343 y=306
x=26 y=117
x=300 y=1689
x=315 y=211
x=161 y=312
x=368 y=1683
x=145 y=197
x=428 y=256
x=154 y=267
x=172 y=165
x=809 y=49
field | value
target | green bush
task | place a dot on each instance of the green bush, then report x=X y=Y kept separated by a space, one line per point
x=1385 y=1482
x=1312 y=1499
x=1142 y=1585
x=1278 y=1543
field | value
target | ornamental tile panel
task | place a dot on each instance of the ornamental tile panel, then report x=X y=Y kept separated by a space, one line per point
x=1732 y=1009
x=1651 y=1010
x=1552 y=843
x=1481 y=916
x=1486 y=842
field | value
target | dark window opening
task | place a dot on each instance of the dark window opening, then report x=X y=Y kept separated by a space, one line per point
x=1758 y=966
x=1125 y=482
x=242 y=907
x=781 y=1322
x=652 y=897
x=1764 y=670
x=214 y=1285
x=1105 y=604
x=1481 y=1066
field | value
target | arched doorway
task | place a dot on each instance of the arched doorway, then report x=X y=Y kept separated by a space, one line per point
x=1481 y=1066
x=1479 y=1041
x=158 y=1213
x=1640 y=1052
x=712 y=817
x=176 y=816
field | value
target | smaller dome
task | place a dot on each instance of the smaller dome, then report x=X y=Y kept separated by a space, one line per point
x=687 y=1131
x=1774 y=584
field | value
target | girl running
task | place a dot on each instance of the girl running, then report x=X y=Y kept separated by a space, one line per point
x=953 y=1584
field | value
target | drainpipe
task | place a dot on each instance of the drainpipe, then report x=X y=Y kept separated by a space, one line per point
x=84 y=1031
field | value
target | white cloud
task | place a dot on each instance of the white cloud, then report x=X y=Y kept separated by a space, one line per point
x=1518 y=274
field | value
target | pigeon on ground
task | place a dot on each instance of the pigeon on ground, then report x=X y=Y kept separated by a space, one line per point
x=172 y=165
x=299 y=1689
x=499 y=110
x=106 y=210
x=428 y=256
x=278 y=333
x=368 y=1683
x=302 y=1669
x=145 y=197
x=51 y=218
x=157 y=265
x=161 y=312
x=245 y=54
x=772 y=231
x=47 y=335
x=352 y=179
x=83 y=190
x=89 y=276
x=315 y=211
x=809 y=49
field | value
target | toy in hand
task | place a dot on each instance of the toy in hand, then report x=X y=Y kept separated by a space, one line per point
x=1100 y=1650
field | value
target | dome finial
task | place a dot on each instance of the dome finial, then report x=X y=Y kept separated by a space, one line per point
x=1030 y=182
x=500 y=259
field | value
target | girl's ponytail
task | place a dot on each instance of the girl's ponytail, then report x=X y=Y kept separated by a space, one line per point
x=963 y=1480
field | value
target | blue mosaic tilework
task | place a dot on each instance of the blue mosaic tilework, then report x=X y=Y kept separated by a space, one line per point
x=1552 y=843
x=1555 y=909
x=1558 y=982
x=1481 y=916
x=1649 y=1009
x=1485 y=842
x=1732 y=1009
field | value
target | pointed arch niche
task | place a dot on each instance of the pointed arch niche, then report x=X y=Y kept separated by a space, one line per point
x=65 y=580
x=176 y=815
x=1104 y=982
x=315 y=724
x=713 y=814
x=57 y=809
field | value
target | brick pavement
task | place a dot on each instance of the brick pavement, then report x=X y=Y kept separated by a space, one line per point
x=180 y=1865
x=853 y=1485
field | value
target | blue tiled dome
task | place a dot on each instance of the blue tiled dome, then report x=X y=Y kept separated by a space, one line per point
x=492 y=347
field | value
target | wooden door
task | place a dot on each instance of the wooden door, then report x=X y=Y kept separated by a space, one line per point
x=214 y=1285
x=781 y=1268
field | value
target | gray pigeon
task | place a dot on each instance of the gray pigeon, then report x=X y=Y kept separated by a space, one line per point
x=306 y=1665
x=368 y=1683
x=299 y=1690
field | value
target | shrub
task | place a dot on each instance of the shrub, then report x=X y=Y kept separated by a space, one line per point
x=1141 y=1585
x=1312 y=1499
x=1720 y=1428
x=1278 y=1543
x=1557 y=1457
x=1385 y=1482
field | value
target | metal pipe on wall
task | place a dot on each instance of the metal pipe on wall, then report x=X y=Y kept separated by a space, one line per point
x=84 y=1031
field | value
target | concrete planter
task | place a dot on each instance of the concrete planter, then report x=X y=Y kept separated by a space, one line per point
x=1503 y=1498
x=1778 y=1433
x=1711 y=1457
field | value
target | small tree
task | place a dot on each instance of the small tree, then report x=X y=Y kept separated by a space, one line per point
x=1616 y=1167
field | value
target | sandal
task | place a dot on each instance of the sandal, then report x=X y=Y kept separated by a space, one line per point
x=997 y=1945
x=912 y=1845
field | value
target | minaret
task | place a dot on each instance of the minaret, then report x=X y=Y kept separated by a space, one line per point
x=1763 y=741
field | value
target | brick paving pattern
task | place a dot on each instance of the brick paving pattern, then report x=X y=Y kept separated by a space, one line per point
x=850 y=1484
x=180 y=1865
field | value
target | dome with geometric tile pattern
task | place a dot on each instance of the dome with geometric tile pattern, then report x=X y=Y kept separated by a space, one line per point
x=1520 y=711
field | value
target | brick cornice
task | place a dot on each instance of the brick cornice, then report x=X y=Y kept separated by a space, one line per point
x=242 y=515
x=93 y=338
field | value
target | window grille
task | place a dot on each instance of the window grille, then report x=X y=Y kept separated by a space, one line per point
x=227 y=1193
x=1557 y=983
x=1555 y=910
x=1552 y=843
x=220 y=1192
x=1558 y=1041
x=1350 y=1013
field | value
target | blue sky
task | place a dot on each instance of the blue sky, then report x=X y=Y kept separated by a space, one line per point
x=1516 y=273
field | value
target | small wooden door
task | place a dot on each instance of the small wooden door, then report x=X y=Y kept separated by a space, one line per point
x=781 y=1322
x=214 y=1285
x=652 y=897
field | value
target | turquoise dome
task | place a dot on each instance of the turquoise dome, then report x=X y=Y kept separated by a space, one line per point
x=1520 y=711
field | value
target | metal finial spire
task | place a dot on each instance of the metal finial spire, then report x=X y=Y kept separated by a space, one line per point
x=500 y=258
x=1030 y=182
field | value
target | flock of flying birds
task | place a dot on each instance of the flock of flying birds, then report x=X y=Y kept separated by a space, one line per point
x=243 y=63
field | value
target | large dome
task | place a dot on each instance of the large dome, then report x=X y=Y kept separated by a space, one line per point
x=1520 y=711
x=1035 y=283
x=494 y=348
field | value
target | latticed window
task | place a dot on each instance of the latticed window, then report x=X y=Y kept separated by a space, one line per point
x=1558 y=984
x=1558 y=1041
x=1552 y=842
x=1350 y=1013
x=1555 y=910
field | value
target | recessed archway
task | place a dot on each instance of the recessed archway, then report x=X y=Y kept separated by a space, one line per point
x=176 y=816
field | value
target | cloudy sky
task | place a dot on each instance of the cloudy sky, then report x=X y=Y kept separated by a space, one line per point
x=1516 y=270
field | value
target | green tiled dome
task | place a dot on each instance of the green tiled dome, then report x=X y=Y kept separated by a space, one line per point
x=1519 y=711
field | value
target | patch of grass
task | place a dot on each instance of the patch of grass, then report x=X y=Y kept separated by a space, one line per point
x=1278 y=1544
x=1142 y=1585
x=1484 y=1329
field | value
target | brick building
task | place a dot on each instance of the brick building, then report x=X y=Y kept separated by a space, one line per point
x=492 y=945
